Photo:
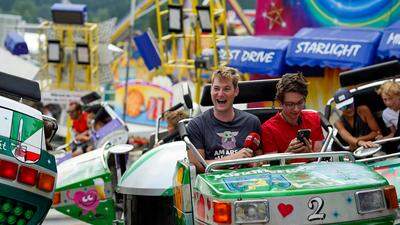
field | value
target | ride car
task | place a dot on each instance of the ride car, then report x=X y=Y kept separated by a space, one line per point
x=365 y=81
x=28 y=172
x=331 y=189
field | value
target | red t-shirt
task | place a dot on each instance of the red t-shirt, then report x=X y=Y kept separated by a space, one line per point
x=276 y=133
x=80 y=125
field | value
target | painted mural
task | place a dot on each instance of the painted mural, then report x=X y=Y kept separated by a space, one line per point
x=286 y=17
x=146 y=101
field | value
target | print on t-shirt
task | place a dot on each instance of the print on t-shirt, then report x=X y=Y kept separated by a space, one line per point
x=228 y=140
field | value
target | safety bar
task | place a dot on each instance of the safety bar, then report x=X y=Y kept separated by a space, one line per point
x=281 y=157
x=378 y=158
x=326 y=142
x=196 y=153
x=327 y=139
x=382 y=141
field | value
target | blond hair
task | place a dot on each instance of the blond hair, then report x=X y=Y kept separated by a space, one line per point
x=226 y=72
x=390 y=88
x=173 y=117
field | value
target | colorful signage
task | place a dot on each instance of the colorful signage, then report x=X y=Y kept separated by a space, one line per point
x=145 y=101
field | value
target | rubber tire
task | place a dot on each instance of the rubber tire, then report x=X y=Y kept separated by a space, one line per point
x=151 y=210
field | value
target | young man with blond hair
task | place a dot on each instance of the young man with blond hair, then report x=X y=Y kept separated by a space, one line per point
x=390 y=94
x=220 y=132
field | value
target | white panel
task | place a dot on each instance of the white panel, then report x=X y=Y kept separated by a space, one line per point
x=5 y=122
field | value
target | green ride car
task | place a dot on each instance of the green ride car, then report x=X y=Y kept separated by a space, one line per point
x=27 y=171
x=385 y=158
x=331 y=189
x=85 y=189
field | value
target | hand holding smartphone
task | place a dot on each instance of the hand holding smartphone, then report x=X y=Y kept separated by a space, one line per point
x=303 y=134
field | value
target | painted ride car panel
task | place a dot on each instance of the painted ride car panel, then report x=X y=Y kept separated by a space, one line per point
x=159 y=166
x=90 y=200
x=85 y=166
x=390 y=169
x=113 y=132
x=324 y=208
x=183 y=193
x=22 y=145
x=84 y=190
x=22 y=108
x=23 y=133
x=288 y=180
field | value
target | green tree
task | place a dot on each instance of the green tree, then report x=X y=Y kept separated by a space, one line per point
x=27 y=9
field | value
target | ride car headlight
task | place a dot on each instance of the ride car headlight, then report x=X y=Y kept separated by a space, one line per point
x=370 y=201
x=251 y=212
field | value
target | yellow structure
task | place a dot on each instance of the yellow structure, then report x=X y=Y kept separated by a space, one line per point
x=193 y=41
x=68 y=74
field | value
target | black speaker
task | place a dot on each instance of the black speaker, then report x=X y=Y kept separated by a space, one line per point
x=69 y=13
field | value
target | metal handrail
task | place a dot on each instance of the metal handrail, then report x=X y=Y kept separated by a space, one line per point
x=377 y=158
x=387 y=140
x=281 y=157
x=383 y=156
x=195 y=152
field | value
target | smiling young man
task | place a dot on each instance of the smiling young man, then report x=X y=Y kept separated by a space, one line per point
x=279 y=132
x=220 y=132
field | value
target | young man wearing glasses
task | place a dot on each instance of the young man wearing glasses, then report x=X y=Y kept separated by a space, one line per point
x=220 y=132
x=279 y=133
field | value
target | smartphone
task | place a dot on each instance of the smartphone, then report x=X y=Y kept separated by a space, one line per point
x=303 y=134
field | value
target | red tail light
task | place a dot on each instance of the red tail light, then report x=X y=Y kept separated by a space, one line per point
x=8 y=169
x=56 y=198
x=46 y=182
x=391 y=197
x=27 y=175
x=222 y=212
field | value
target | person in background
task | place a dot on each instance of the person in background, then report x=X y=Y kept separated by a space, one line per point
x=172 y=118
x=390 y=94
x=356 y=126
x=79 y=128
x=279 y=133
x=78 y=117
x=220 y=132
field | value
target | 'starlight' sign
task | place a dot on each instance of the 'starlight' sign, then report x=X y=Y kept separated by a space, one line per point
x=327 y=48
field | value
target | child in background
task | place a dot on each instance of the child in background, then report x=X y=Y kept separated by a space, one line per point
x=172 y=118
x=356 y=126
x=390 y=93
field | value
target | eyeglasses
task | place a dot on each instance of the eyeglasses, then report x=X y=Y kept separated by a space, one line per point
x=292 y=105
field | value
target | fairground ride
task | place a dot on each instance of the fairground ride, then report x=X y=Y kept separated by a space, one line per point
x=188 y=41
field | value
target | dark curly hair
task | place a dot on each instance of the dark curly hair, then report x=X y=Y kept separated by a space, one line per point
x=291 y=82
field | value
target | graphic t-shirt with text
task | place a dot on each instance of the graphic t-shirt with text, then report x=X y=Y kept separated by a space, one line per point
x=219 y=139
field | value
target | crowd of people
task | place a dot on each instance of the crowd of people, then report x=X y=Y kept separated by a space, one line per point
x=220 y=132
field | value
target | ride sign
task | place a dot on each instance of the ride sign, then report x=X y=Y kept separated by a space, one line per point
x=257 y=55
x=333 y=47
